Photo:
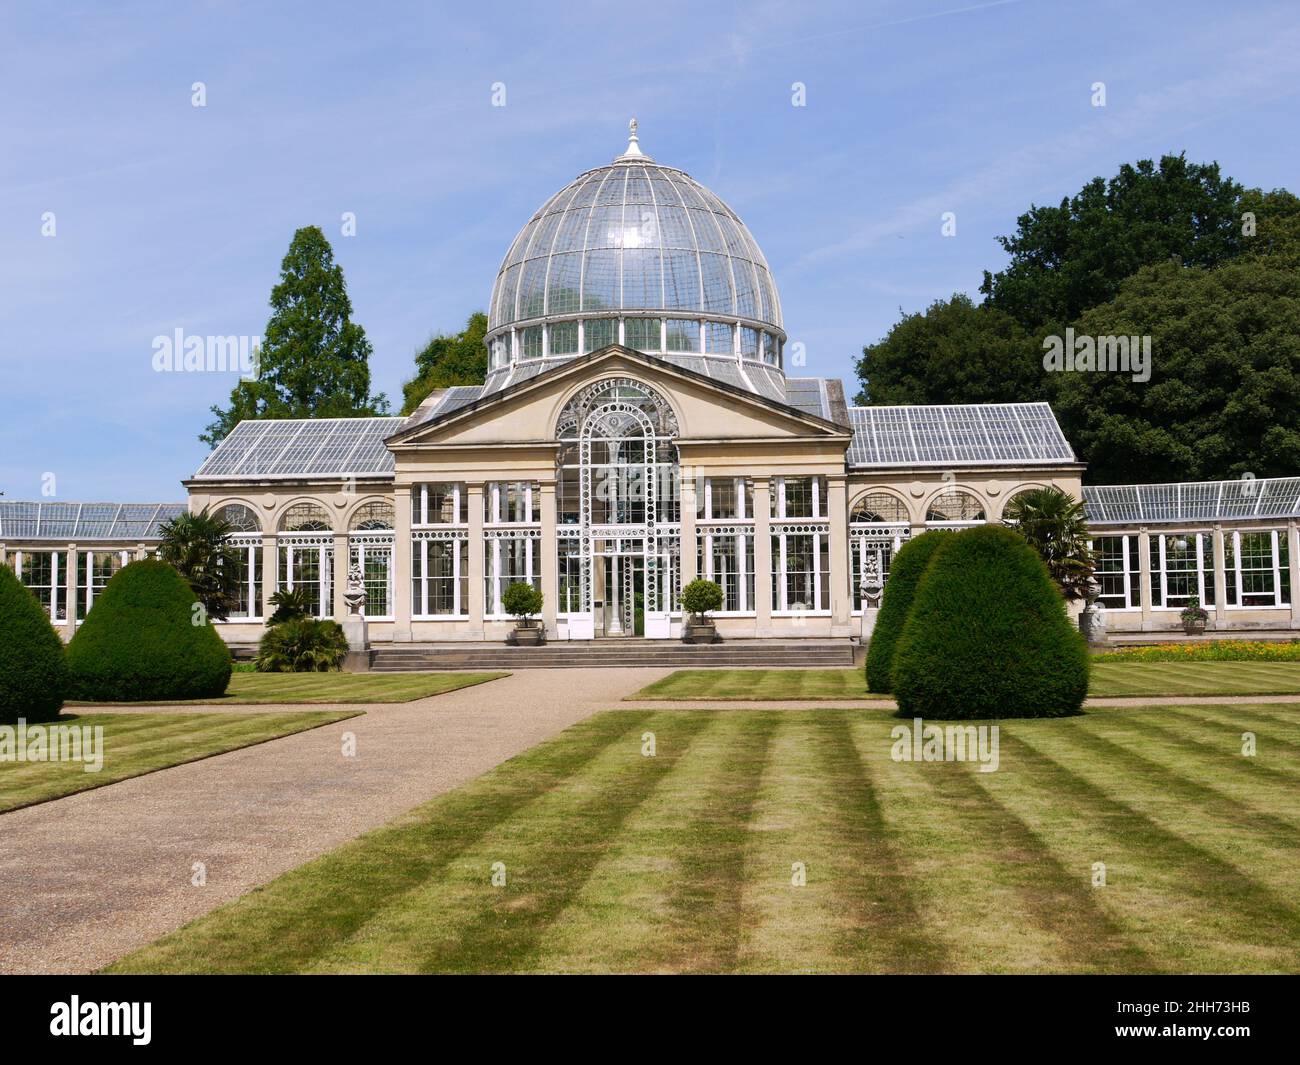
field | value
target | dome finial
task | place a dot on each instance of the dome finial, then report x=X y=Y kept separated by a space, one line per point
x=633 y=145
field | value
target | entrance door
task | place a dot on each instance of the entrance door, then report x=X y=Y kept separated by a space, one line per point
x=622 y=580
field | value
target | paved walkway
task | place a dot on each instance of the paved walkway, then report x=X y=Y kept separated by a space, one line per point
x=88 y=878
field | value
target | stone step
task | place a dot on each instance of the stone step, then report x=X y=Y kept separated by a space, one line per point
x=602 y=654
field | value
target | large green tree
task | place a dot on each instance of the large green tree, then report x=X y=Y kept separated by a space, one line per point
x=1224 y=393
x=314 y=361
x=954 y=352
x=1073 y=256
x=448 y=359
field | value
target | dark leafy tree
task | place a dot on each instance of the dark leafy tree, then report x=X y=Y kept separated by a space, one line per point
x=1073 y=256
x=954 y=352
x=1224 y=393
x=314 y=361
x=447 y=360
x=198 y=545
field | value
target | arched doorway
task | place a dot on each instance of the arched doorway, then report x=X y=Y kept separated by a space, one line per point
x=619 y=511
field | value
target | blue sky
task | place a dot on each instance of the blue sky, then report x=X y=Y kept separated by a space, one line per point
x=170 y=216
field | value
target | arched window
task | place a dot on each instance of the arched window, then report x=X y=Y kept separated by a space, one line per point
x=878 y=527
x=246 y=542
x=879 y=508
x=954 y=506
x=240 y=517
x=305 y=517
x=372 y=516
x=307 y=556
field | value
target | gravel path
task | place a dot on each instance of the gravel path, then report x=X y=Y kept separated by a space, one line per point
x=90 y=877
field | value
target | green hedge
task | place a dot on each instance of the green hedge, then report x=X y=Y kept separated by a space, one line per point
x=33 y=670
x=904 y=575
x=988 y=636
x=139 y=642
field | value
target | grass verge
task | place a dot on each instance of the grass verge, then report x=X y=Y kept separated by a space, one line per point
x=290 y=688
x=134 y=744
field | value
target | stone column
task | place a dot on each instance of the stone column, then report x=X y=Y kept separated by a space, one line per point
x=549 y=567
x=1220 y=579
x=338 y=605
x=70 y=593
x=270 y=574
x=1144 y=577
x=762 y=558
x=1293 y=560
x=689 y=560
x=474 y=493
x=402 y=564
x=837 y=511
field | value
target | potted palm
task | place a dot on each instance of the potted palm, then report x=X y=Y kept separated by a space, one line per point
x=1194 y=616
x=521 y=601
x=698 y=598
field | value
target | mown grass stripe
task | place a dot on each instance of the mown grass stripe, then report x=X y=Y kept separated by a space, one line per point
x=1151 y=771
x=307 y=913
x=1081 y=935
x=889 y=929
x=670 y=881
x=1218 y=753
x=550 y=851
x=817 y=806
x=1196 y=912
x=1285 y=726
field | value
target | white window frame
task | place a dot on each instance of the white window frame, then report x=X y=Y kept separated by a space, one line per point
x=457 y=537
x=1277 y=570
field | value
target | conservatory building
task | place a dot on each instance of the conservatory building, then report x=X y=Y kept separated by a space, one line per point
x=639 y=427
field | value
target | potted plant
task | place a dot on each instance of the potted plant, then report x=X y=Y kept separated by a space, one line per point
x=1194 y=617
x=698 y=598
x=521 y=600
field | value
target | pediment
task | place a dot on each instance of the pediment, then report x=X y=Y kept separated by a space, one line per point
x=705 y=409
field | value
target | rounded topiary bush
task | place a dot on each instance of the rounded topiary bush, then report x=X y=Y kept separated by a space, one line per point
x=33 y=672
x=988 y=635
x=140 y=642
x=904 y=576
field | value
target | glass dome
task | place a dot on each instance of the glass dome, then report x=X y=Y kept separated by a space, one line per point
x=639 y=254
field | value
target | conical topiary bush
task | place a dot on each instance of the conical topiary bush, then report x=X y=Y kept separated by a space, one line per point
x=988 y=635
x=905 y=571
x=33 y=672
x=140 y=642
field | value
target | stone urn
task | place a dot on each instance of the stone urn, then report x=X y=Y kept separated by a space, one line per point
x=528 y=633
x=699 y=630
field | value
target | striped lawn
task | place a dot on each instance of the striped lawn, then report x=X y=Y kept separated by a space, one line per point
x=296 y=688
x=1116 y=678
x=683 y=862
x=134 y=744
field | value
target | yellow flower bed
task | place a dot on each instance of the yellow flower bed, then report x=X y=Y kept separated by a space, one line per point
x=1213 y=651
